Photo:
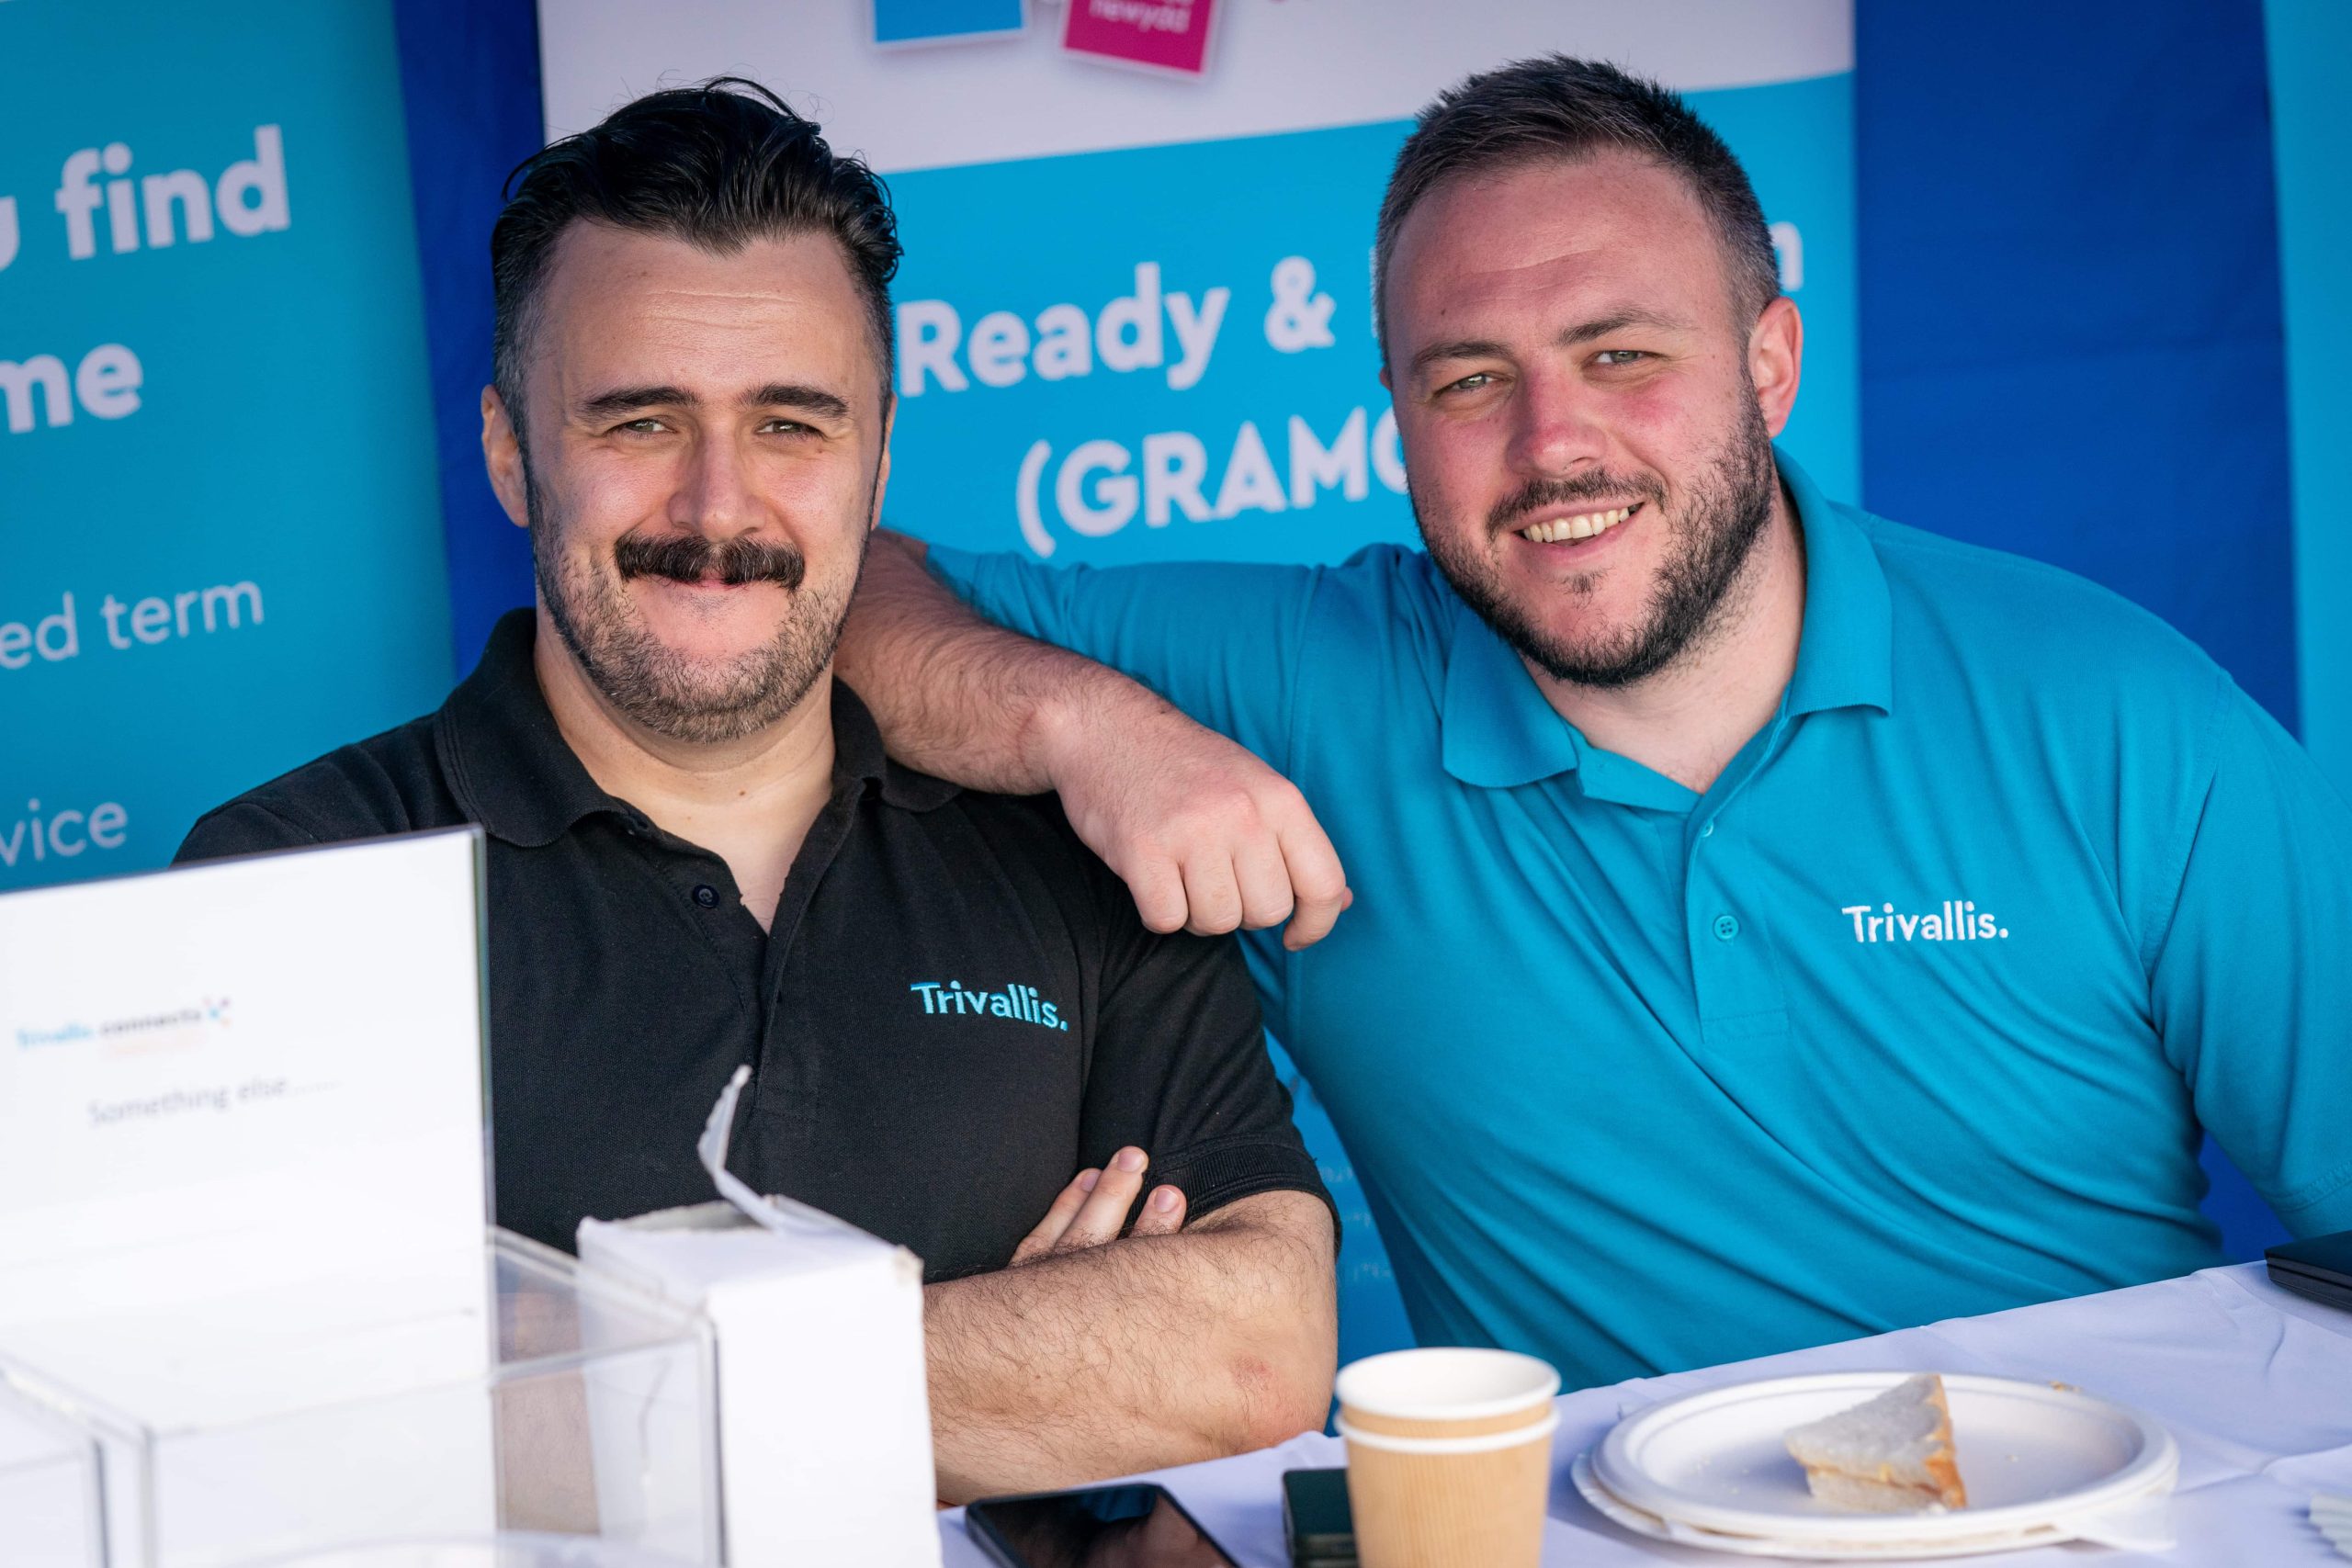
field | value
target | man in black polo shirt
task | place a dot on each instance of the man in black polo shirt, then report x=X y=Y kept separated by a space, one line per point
x=962 y=1037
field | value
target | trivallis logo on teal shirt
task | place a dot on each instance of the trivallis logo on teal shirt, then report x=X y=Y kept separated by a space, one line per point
x=1021 y=1002
x=1956 y=921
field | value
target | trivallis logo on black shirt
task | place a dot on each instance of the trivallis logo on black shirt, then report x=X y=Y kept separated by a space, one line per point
x=1014 y=1001
x=1956 y=921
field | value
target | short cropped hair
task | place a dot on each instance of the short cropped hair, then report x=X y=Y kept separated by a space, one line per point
x=1560 y=107
x=717 y=165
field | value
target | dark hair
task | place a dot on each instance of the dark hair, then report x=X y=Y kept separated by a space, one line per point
x=1561 y=107
x=717 y=165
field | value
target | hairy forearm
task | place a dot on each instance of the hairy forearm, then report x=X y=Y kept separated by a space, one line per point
x=959 y=696
x=1137 y=1354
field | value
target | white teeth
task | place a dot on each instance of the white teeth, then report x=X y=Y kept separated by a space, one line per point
x=1588 y=526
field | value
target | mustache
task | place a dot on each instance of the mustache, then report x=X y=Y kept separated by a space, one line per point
x=690 y=557
x=1597 y=485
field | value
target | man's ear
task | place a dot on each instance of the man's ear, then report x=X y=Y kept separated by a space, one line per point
x=501 y=454
x=1776 y=361
x=882 y=469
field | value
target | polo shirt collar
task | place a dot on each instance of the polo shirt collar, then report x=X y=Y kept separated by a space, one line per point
x=858 y=755
x=1497 y=731
x=508 y=765
x=513 y=772
x=1845 y=655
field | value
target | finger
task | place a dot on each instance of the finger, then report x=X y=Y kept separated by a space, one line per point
x=1058 y=1214
x=1104 y=1214
x=1158 y=890
x=1318 y=883
x=1263 y=879
x=1162 y=1215
x=1212 y=898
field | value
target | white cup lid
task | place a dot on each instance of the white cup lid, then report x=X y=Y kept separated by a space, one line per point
x=1445 y=1383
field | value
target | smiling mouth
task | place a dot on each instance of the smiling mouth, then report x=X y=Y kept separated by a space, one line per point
x=1584 y=526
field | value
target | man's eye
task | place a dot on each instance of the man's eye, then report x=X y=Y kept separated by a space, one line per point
x=648 y=425
x=1620 y=356
x=1470 y=383
x=783 y=427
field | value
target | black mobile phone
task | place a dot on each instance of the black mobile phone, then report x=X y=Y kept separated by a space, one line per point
x=1317 y=1519
x=2319 y=1266
x=1137 y=1525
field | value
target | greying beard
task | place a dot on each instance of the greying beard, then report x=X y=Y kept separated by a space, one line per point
x=697 y=701
x=1694 y=597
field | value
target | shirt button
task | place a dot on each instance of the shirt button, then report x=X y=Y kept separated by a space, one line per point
x=707 y=896
x=1708 y=832
x=1727 y=927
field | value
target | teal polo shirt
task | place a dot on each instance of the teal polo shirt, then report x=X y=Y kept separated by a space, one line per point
x=1921 y=1010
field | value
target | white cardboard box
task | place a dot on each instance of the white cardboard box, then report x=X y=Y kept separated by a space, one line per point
x=824 y=1413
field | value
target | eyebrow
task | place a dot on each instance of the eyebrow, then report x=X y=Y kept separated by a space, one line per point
x=775 y=394
x=1583 y=331
x=1617 y=321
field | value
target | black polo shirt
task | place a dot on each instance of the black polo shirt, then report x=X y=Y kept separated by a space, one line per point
x=957 y=1009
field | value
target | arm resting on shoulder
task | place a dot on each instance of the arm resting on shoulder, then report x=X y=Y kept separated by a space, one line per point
x=1206 y=836
x=966 y=699
x=1137 y=1354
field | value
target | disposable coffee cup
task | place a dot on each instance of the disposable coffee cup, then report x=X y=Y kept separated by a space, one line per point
x=1448 y=1457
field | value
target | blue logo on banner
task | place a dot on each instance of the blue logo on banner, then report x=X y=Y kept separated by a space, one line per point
x=939 y=21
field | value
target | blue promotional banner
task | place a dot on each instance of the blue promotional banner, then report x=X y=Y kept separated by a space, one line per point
x=1200 y=378
x=1134 y=318
x=217 y=501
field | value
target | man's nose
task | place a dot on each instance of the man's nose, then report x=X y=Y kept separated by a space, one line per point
x=1555 y=426
x=714 y=495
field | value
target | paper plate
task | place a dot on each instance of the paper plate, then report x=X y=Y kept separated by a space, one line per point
x=1617 y=1511
x=2042 y=1464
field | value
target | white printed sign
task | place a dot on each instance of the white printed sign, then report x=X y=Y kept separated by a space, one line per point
x=276 y=1060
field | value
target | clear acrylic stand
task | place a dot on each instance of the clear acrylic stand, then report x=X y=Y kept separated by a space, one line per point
x=442 y=1399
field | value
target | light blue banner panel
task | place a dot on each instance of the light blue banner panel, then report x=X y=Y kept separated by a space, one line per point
x=2310 y=70
x=217 y=501
x=1199 y=378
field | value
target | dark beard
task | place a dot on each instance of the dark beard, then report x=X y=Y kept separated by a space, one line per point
x=687 y=700
x=1724 y=517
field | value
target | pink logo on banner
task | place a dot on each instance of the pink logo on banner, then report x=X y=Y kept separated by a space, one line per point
x=1166 y=35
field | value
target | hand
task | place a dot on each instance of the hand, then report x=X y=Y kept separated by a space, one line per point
x=1094 y=1209
x=1206 y=837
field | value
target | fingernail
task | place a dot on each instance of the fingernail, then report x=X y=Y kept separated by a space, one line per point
x=1087 y=1179
x=1129 y=1160
x=1164 y=1200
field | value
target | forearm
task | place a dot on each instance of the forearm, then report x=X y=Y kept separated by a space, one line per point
x=960 y=697
x=1141 y=1353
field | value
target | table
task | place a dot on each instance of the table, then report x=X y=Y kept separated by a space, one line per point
x=2254 y=1382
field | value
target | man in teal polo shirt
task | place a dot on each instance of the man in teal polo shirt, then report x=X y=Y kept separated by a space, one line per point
x=1771 y=924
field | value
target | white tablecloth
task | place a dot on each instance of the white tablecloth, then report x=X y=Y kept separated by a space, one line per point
x=2254 y=1382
